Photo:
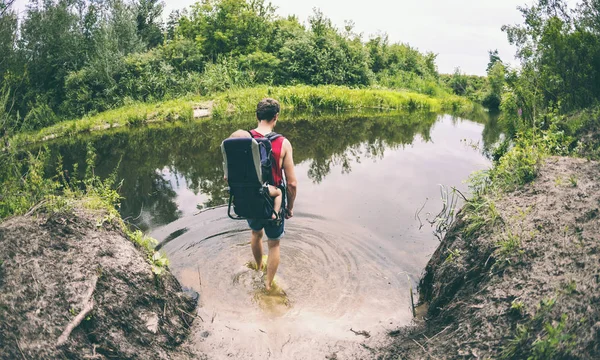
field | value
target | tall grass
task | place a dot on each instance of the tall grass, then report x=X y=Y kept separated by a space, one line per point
x=336 y=98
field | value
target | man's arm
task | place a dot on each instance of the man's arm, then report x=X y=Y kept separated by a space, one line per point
x=290 y=175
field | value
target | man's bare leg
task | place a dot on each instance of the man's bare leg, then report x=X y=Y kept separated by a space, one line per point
x=257 y=248
x=272 y=262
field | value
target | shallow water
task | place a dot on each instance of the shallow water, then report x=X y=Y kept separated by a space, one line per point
x=350 y=254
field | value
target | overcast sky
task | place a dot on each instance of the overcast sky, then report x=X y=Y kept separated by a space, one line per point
x=460 y=31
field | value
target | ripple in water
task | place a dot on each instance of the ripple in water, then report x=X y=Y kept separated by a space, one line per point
x=333 y=276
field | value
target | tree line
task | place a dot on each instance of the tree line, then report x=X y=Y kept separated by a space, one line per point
x=559 y=52
x=70 y=58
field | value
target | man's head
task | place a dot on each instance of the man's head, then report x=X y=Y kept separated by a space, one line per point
x=267 y=110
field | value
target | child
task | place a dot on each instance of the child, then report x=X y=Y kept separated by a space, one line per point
x=274 y=192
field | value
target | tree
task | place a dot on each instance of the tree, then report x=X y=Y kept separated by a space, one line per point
x=234 y=27
x=560 y=52
x=494 y=58
x=496 y=79
x=5 y=6
x=149 y=23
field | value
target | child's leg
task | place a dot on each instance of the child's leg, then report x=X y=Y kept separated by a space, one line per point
x=276 y=194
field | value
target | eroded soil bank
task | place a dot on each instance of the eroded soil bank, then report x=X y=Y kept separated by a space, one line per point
x=526 y=287
x=53 y=267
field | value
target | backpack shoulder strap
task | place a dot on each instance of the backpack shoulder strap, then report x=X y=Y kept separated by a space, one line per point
x=272 y=136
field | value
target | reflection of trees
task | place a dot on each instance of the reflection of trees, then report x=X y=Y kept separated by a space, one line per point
x=192 y=152
x=329 y=143
x=491 y=134
x=491 y=131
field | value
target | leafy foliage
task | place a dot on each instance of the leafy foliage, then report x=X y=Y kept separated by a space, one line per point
x=559 y=50
x=67 y=59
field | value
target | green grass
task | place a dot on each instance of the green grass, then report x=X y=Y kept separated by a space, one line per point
x=243 y=101
x=509 y=245
x=130 y=115
x=35 y=190
x=542 y=336
x=479 y=212
x=336 y=98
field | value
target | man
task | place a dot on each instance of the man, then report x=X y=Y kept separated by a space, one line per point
x=267 y=114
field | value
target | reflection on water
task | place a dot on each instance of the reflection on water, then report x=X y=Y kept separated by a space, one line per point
x=349 y=254
x=169 y=172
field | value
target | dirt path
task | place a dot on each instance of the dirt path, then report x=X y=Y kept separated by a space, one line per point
x=527 y=287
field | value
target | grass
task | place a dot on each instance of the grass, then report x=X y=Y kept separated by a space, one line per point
x=453 y=255
x=509 y=245
x=243 y=101
x=130 y=115
x=336 y=98
x=20 y=194
x=479 y=212
x=540 y=337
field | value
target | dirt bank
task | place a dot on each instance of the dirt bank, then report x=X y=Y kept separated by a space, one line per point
x=524 y=286
x=54 y=268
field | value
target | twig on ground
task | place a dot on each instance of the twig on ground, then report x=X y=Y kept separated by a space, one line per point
x=184 y=320
x=213 y=317
x=362 y=333
x=434 y=336
x=287 y=342
x=37 y=286
x=421 y=346
x=190 y=315
x=20 y=350
x=262 y=331
x=87 y=307
x=230 y=328
x=33 y=209
x=199 y=277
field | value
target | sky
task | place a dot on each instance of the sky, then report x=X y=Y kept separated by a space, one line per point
x=460 y=31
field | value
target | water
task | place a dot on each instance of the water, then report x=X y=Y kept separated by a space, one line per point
x=349 y=255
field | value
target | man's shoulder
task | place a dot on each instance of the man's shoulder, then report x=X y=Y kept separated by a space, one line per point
x=286 y=142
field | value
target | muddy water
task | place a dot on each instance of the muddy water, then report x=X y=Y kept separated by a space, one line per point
x=350 y=254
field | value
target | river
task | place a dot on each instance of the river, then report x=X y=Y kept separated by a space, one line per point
x=350 y=254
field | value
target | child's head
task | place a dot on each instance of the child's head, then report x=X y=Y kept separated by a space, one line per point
x=240 y=134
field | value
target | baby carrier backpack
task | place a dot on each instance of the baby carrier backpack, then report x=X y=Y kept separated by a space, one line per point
x=248 y=164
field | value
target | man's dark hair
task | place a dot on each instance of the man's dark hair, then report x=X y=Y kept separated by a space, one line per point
x=267 y=109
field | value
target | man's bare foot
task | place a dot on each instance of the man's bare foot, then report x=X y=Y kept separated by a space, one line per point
x=267 y=287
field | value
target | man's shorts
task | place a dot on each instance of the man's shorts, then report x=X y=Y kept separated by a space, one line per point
x=274 y=230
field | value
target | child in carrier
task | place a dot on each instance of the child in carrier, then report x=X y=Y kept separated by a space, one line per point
x=274 y=192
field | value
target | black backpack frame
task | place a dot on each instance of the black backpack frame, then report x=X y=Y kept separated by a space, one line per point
x=248 y=164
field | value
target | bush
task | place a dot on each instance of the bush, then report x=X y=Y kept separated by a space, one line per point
x=183 y=54
x=261 y=67
x=222 y=75
x=40 y=115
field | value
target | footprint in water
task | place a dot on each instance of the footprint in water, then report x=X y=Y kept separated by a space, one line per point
x=274 y=301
